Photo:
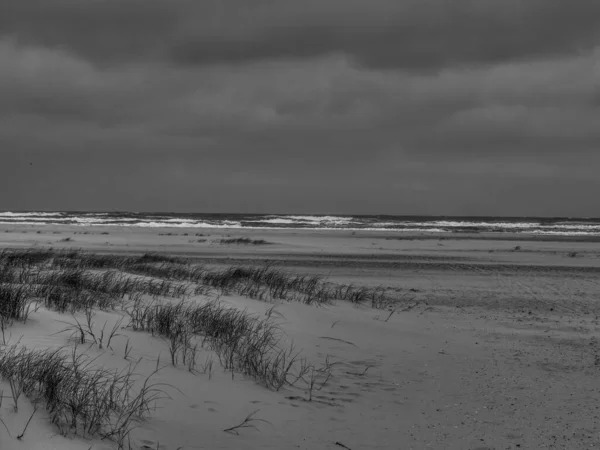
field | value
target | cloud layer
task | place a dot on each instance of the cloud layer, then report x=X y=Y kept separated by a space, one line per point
x=398 y=107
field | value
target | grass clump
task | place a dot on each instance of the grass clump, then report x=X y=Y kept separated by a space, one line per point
x=266 y=283
x=159 y=258
x=110 y=276
x=74 y=289
x=243 y=343
x=243 y=241
x=80 y=398
x=24 y=258
x=15 y=302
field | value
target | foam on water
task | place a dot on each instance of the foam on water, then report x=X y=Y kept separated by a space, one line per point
x=397 y=224
x=29 y=214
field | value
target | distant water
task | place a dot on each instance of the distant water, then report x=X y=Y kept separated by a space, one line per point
x=545 y=226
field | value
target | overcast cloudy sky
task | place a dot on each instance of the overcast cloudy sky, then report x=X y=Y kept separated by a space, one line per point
x=328 y=106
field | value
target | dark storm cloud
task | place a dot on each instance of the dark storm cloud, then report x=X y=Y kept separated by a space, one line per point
x=412 y=34
x=301 y=106
x=100 y=31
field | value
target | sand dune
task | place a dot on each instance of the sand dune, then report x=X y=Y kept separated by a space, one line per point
x=470 y=355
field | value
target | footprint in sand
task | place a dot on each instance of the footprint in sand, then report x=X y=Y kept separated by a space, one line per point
x=291 y=404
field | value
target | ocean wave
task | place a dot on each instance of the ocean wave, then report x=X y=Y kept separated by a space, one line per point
x=463 y=224
x=315 y=220
x=571 y=227
x=30 y=214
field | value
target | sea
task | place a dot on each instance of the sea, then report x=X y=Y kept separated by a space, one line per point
x=398 y=224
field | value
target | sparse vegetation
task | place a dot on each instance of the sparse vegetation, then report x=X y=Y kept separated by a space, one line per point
x=243 y=343
x=248 y=422
x=244 y=241
x=80 y=331
x=85 y=399
x=80 y=398
x=103 y=280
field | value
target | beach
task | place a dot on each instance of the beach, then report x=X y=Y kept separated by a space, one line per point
x=319 y=225
x=482 y=341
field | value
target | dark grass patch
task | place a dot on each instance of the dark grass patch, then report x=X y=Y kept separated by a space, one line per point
x=159 y=258
x=71 y=269
x=15 y=301
x=244 y=241
x=243 y=343
x=25 y=258
x=80 y=398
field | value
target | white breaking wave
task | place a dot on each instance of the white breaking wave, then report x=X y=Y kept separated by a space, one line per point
x=564 y=233
x=316 y=220
x=195 y=224
x=461 y=224
x=276 y=221
x=505 y=225
x=30 y=214
x=306 y=222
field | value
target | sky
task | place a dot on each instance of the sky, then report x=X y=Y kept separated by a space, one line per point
x=442 y=107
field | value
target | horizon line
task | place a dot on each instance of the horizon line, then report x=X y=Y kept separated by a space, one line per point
x=298 y=214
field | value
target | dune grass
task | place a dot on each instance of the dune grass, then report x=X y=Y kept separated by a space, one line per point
x=110 y=276
x=85 y=399
x=80 y=398
x=15 y=301
x=243 y=343
x=262 y=282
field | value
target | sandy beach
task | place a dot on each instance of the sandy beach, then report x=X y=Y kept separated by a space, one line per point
x=300 y=225
x=484 y=342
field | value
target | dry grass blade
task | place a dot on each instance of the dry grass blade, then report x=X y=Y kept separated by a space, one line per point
x=337 y=339
x=20 y=436
x=248 y=422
